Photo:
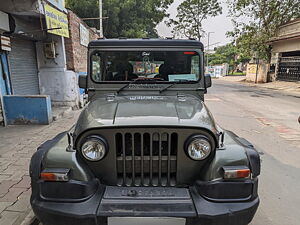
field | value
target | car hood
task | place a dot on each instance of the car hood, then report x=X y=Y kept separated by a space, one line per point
x=122 y=111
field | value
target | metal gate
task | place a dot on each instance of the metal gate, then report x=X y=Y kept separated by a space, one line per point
x=289 y=69
x=23 y=67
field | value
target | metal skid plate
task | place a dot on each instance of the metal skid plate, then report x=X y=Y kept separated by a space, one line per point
x=148 y=221
x=146 y=202
x=147 y=193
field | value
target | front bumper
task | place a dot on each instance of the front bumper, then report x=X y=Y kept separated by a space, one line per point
x=158 y=202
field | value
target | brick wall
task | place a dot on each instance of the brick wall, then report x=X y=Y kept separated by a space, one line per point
x=76 y=54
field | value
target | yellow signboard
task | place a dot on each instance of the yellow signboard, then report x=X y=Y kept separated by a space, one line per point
x=57 y=22
x=251 y=69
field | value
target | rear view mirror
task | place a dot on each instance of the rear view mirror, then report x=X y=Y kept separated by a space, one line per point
x=82 y=81
x=207 y=80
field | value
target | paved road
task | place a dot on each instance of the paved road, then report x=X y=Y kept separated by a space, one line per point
x=269 y=120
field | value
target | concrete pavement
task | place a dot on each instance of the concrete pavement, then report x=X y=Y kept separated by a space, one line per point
x=17 y=144
x=284 y=87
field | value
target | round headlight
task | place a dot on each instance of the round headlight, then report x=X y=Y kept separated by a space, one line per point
x=199 y=148
x=94 y=149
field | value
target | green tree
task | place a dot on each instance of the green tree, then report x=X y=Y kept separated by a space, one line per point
x=126 y=18
x=85 y=9
x=261 y=20
x=191 y=14
x=230 y=54
x=223 y=54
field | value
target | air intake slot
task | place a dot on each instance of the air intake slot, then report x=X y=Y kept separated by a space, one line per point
x=146 y=159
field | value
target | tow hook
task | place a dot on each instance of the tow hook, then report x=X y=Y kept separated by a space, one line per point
x=132 y=193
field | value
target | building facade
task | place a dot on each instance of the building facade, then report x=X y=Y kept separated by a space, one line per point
x=285 y=61
x=76 y=45
x=47 y=46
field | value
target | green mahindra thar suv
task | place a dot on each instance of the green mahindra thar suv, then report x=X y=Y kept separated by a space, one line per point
x=145 y=145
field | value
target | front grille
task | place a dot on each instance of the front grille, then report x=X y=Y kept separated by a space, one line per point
x=146 y=159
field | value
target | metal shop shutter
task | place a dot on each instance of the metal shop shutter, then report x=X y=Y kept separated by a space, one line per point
x=23 y=67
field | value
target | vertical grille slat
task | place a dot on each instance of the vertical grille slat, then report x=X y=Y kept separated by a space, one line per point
x=124 y=159
x=142 y=161
x=151 y=160
x=133 y=159
x=146 y=159
x=159 y=158
x=169 y=162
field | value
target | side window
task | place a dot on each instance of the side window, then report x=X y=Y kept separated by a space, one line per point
x=195 y=62
x=96 y=67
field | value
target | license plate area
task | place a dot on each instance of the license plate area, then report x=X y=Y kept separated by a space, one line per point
x=145 y=220
x=146 y=193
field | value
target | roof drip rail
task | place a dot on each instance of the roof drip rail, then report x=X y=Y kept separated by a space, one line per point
x=127 y=42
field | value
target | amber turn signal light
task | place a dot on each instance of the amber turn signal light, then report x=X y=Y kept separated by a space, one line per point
x=235 y=172
x=55 y=175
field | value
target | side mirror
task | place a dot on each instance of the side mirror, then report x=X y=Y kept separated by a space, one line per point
x=207 y=80
x=82 y=81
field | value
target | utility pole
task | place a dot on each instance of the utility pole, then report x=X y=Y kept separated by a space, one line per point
x=100 y=19
x=208 y=36
x=257 y=66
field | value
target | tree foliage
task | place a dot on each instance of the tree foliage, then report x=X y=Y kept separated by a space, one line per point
x=126 y=18
x=190 y=16
x=230 y=54
x=261 y=20
x=223 y=54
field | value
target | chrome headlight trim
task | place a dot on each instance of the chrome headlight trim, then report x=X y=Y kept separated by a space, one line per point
x=204 y=145
x=94 y=148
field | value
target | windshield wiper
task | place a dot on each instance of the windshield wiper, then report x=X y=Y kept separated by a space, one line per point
x=142 y=80
x=125 y=86
x=171 y=85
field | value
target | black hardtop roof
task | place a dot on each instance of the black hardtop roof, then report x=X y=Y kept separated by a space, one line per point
x=146 y=43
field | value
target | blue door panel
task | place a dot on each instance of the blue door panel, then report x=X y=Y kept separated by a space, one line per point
x=4 y=75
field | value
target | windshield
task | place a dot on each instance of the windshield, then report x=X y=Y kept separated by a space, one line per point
x=153 y=65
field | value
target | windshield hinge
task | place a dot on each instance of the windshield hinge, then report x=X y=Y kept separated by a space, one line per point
x=110 y=97
x=181 y=97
